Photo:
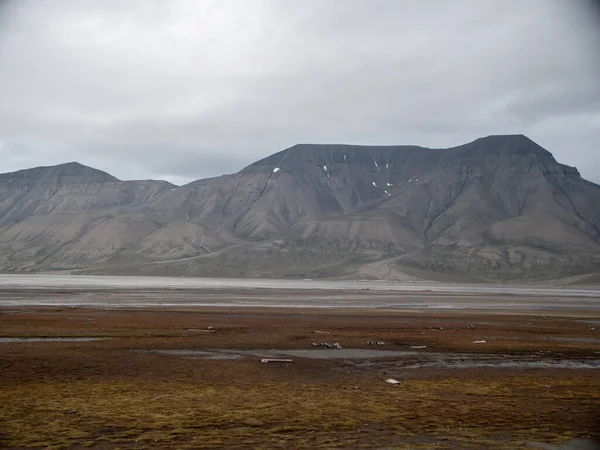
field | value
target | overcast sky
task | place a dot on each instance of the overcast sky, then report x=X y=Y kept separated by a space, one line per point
x=182 y=90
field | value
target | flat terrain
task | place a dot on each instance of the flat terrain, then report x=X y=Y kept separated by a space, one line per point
x=107 y=367
x=166 y=292
x=146 y=282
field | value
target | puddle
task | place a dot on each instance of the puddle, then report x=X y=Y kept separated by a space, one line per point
x=389 y=359
x=345 y=353
x=469 y=361
x=571 y=444
x=582 y=340
x=575 y=339
x=507 y=338
x=202 y=354
x=531 y=364
x=313 y=354
x=590 y=322
x=52 y=339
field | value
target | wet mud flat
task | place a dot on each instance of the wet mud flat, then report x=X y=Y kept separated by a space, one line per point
x=192 y=377
x=396 y=360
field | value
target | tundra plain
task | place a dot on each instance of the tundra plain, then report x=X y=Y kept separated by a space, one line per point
x=180 y=367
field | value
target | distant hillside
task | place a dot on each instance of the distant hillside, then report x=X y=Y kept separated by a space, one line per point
x=498 y=208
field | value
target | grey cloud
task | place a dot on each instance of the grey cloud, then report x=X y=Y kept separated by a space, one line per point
x=190 y=89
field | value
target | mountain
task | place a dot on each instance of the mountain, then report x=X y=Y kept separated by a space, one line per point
x=498 y=208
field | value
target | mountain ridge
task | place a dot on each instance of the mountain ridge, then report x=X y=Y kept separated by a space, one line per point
x=500 y=207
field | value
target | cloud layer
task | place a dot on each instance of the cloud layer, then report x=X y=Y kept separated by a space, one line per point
x=182 y=90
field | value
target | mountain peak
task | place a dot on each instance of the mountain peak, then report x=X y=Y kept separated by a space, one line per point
x=508 y=143
x=76 y=169
x=73 y=165
x=397 y=155
x=327 y=154
x=65 y=173
x=506 y=137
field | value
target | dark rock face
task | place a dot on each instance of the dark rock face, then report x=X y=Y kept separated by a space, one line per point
x=499 y=207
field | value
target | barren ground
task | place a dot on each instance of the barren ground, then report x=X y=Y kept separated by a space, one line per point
x=129 y=391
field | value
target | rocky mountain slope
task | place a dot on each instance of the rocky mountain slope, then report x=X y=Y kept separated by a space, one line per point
x=500 y=207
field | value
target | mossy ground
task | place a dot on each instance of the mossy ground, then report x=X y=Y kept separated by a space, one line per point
x=103 y=395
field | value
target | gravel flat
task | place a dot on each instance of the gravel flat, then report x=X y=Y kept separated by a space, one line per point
x=140 y=292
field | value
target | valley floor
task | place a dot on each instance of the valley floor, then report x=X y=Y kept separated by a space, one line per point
x=177 y=375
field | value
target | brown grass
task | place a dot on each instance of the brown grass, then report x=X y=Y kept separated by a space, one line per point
x=175 y=413
x=102 y=395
